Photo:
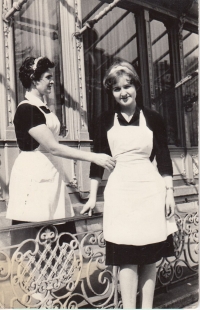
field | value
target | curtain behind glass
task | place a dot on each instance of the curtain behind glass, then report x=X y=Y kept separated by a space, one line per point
x=36 y=33
x=164 y=101
x=113 y=37
x=190 y=51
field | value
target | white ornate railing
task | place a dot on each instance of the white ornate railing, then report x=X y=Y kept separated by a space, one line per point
x=68 y=271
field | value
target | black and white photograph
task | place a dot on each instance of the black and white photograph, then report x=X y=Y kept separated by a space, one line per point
x=99 y=158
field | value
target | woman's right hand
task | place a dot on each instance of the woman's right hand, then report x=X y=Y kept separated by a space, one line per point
x=104 y=161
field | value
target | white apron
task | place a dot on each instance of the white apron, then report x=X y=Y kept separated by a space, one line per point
x=37 y=191
x=134 y=209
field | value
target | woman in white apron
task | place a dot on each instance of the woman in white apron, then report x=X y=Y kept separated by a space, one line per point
x=37 y=187
x=139 y=205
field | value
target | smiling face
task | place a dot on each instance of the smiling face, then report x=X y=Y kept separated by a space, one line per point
x=45 y=83
x=125 y=93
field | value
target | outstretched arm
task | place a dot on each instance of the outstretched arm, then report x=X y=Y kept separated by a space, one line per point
x=43 y=135
x=89 y=206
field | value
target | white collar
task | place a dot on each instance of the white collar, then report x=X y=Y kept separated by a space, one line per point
x=34 y=100
x=127 y=117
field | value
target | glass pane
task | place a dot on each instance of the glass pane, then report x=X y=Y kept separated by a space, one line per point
x=163 y=79
x=113 y=37
x=190 y=51
x=36 y=33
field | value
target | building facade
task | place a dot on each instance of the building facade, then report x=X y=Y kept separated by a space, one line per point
x=83 y=37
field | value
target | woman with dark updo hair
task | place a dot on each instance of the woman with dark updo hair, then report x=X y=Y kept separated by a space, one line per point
x=37 y=187
x=28 y=72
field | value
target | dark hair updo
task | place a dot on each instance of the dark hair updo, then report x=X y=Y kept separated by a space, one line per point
x=118 y=68
x=32 y=69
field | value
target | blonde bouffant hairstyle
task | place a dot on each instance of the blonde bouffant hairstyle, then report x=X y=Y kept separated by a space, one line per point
x=118 y=68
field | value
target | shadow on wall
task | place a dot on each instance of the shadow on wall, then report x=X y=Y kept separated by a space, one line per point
x=96 y=64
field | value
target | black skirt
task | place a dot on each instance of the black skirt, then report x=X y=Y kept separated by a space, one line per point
x=121 y=254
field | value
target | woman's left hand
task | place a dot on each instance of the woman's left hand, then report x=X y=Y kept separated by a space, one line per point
x=169 y=205
x=88 y=207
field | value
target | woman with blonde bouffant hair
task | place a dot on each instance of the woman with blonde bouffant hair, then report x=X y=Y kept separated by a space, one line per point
x=138 y=219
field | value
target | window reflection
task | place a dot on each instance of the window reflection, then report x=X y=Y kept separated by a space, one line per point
x=36 y=33
x=164 y=101
x=190 y=52
x=113 y=37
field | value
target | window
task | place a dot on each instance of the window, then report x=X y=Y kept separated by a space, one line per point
x=36 y=33
x=190 y=52
x=113 y=37
x=164 y=101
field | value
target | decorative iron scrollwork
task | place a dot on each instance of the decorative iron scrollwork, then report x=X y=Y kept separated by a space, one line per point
x=69 y=271
x=38 y=275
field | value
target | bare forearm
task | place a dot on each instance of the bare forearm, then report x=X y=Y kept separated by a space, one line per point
x=71 y=153
x=44 y=137
x=94 y=185
x=102 y=160
x=168 y=181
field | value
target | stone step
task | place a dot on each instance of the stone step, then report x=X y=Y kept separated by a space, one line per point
x=3 y=220
x=179 y=295
x=2 y=206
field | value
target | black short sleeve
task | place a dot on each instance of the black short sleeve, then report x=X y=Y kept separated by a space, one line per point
x=26 y=117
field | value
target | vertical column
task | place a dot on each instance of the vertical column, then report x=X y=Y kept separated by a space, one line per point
x=81 y=74
x=84 y=167
x=175 y=48
x=73 y=71
x=9 y=75
x=149 y=53
x=3 y=105
x=74 y=85
x=144 y=54
x=188 y=157
x=8 y=150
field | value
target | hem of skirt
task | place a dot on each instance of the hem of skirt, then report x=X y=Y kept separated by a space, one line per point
x=31 y=220
x=138 y=262
x=123 y=254
x=134 y=244
x=15 y=218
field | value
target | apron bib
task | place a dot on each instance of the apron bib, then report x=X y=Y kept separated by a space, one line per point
x=37 y=188
x=134 y=209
